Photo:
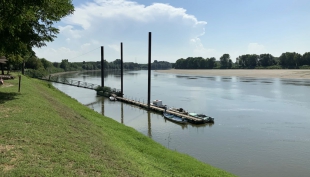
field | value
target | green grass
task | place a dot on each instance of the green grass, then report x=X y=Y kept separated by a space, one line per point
x=44 y=132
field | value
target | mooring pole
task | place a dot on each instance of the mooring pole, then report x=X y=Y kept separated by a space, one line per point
x=149 y=124
x=122 y=70
x=149 y=73
x=122 y=113
x=102 y=66
x=19 y=80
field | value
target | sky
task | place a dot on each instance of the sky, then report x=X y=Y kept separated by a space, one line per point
x=180 y=29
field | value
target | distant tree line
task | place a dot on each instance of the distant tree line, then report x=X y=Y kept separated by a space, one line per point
x=38 y=67
x=195 y=63
x=291 y=60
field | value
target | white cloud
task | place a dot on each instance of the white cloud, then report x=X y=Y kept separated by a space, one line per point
x=198 y=48
x=69 y=31
x=255 y=48
x=109 y=22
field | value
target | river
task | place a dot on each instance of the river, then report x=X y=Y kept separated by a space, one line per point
x=262 y=126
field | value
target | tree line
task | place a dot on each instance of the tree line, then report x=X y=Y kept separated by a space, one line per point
x=291 y=60
x=38 y=67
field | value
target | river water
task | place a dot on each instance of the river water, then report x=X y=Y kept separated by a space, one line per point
x=262 y=126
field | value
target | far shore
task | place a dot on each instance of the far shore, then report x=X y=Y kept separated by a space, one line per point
x=258 y=73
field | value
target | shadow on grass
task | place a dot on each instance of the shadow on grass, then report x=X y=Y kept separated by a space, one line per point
x=7 y=96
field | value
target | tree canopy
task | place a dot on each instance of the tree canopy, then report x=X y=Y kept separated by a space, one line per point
x=25 y=24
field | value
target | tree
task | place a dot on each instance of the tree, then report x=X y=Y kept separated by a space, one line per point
x=179 y=63
x=34 y=63
x=266 y=60
x=46 y=63
x=29 y=23
x=252 y=60
x=297 y=59
x=229 y=64
x=211 y=63
x=13 y=61
x=64 y=64
x=224 y=60
x=306 y=58
x=287 y=59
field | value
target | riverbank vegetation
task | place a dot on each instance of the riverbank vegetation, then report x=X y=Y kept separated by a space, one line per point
x=38 y=67
x=288 y=60
x=46 y=133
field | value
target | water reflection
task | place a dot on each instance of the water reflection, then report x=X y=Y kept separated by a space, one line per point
x=226 y=79
x=181 y=76
x=102 y=106
x=296 y=82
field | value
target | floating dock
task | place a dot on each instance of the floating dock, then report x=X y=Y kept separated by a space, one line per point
x=192 y=119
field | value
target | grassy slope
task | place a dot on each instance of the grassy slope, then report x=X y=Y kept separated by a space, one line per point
x=44 y=132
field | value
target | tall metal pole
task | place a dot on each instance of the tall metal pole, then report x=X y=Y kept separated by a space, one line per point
x=122 y=70
x=149 y=72
x=102 y=66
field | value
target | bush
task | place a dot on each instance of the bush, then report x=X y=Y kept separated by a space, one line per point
x=270 y=67
x=36 y=73
x=304 y=67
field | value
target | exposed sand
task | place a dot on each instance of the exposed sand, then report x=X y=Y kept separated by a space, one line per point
x=259 y=73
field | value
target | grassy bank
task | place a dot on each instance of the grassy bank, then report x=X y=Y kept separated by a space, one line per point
x=44 y=132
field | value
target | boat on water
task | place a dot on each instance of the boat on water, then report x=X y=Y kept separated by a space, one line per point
x=158 y=103
x=206 y=119
x=174 y=118
x=179 y=110
x=112 y=98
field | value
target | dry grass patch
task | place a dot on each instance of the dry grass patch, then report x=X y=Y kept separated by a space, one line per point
x=6 y=85
x=7 y=112
x=9 y=155
x=5 y=148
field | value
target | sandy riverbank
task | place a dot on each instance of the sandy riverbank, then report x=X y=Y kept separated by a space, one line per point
x=259 y=73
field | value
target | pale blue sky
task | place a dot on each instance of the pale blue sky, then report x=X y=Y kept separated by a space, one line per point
x=181 y=29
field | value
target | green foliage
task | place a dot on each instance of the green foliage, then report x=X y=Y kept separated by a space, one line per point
x=34 y=63
x=64 y=64
x=29 y=23
x=304 y=67
x=39 y=73
x=225 y=61
x=248 y=61
x=104 y=89
x=306 y=58
x=36 y=73
x=266 y=60
x=195 y=63
x=46 y=64
x=293 y=60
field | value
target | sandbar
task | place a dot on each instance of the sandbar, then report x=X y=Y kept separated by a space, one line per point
x=257 y=73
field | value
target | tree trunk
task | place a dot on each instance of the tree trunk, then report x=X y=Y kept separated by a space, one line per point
x=9 y=68
x=2 y=68
x=23 y=67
